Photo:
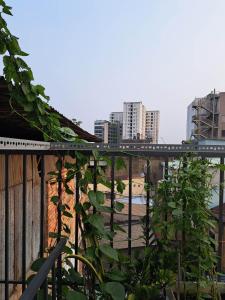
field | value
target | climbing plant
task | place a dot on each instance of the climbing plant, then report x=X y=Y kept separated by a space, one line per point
x=23 y=92
x=184 y=223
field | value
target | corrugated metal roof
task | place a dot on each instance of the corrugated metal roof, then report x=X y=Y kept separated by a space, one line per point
x=13 y=125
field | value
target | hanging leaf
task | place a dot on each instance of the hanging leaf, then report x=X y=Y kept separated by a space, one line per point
x=36 y=265
x=74 y=295
x=115 y=290
x=97 y=221
x=108 y=251
x=118 y=206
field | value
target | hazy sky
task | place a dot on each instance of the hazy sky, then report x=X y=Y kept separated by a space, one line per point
x=91 y=55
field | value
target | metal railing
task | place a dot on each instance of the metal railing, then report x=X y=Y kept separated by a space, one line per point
x=130 y=151
x=40 y=281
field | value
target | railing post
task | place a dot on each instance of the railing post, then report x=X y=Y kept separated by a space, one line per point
x=24 y=242
x=42 y=206
x=147 y=221
x=221 y=229
x=130 y=206
x=6 y=226
x=112 y=195
x=77 y=199
x=59 y=260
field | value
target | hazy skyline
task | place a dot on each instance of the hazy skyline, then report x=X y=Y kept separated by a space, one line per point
x=91 y=55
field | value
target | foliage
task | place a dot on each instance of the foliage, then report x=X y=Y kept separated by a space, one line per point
x=183 y=221
x=23 y=93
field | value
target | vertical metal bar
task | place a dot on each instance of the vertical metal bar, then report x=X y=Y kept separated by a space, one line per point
x=166 y=168
x=6 y=227
x=53 y=284
x=42 y=220
x=24 y=242
x=166 y=173
x=112 y=196
x=77 y=199
x=42 y=206
x=221 y=230
x=95 y=180
x=147 y=221
x=59 y=221
x=130 y=206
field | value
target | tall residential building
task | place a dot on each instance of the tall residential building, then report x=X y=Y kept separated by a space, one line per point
x=101 y=130
x=116 y=117
x=134 y=123
x=206 y=117
x=152 y=126
x=134 y=119
x=108 y=132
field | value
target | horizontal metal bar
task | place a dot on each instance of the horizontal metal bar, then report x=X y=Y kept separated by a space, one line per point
x=42 y=274
x=17 y=146
x=143 y=148
x=9 y=143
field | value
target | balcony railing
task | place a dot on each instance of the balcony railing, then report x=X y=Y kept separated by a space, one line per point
x=40 y=151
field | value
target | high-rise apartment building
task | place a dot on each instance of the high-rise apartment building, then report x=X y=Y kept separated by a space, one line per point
x=152 y=126
x=108 y=132
x=134 y=123
x=116 y=117
x=206 y=117
x=101 y=130
x=134 y=119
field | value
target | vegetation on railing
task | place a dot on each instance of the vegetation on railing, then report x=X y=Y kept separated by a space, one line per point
x=181 y=220
x=184 y=223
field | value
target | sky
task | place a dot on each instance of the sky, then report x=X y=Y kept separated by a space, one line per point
x=91 y=55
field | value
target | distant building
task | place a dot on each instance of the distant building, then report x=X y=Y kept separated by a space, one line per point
x=152 y=126
x=134 y=115
x=134 y=123
x=108 y=132
x=206 y=117
x=116 y=117
x=101 y=130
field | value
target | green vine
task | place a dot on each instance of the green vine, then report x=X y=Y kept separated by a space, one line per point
x=23 y=93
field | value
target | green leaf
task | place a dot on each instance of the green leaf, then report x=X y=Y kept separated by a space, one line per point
x=118 y=228
x=59 y=164
x=115 y=290
x=120 y=164
x=120 y=186
x=117 y=275
x=97 y=221
x=108 y=251
x=67 y=250
x=42 y=120
x=100 y=197
x=28 y=107
x=2 y=47
x=172 y=204
x=53 y=235
x=86 y=205
x=55 y=199
x=177 y=212
x=118 y=206
x=68 y=131
x=96 y=198
x=7 y=10
x=74 y=295
x=67 y=214
x=36 y=265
